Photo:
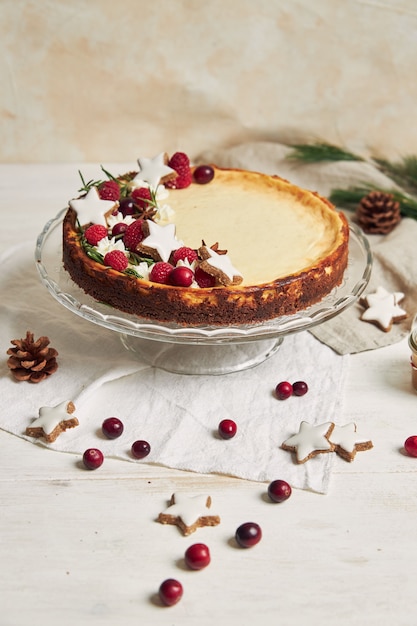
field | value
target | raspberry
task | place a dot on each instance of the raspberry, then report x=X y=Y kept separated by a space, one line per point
x=109 y=190
x=184 y=178
x=179 y=159
x=203 y=279
x=184 y=253
x=95 y=233
x=160 y=272
x=142 y=196
x=133 y=235
x=117 y=260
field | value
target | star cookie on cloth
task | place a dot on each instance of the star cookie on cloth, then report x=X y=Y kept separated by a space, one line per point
x=310 y=441
x=347 y=442
x=91 y=208
x=188 y=513
x=53 y=421
x=382 y=308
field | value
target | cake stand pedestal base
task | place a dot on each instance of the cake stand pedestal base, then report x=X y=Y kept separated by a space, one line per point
x=200 y=358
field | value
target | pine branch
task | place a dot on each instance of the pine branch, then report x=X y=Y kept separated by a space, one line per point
x=318 y=152
x=350 y=198
x=404 y=172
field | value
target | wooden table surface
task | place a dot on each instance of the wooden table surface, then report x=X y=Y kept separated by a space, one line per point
x=84 y=548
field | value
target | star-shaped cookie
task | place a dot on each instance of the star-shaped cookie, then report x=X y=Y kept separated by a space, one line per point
x=188 y=513
x=383 y=308
x=220 y=266
x=91 y=208
x=52 y=421
x=160 y=242
x=347 y=442
x=152 y=171
x=310 y=441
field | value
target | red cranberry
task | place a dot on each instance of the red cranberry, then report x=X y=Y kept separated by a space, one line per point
x=283 y=390
x=203 y=174
x=197 y=556
x=279 y=490
x=140 y=449
x=299 y=388
x=93 y=458
x=127 y=206
x=410 y=445
x=170 y=591
x=112 y=427
x=227 y=429
x=248 y=534
x=118 y=229
x=181 y=276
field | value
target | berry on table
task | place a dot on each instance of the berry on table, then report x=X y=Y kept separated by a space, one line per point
x=112 y=427
x=279 y=490
x=248 y=534
x=283 y=390
x=140 y=449
x=227 y=429
x=410 y=445
x=197 y=556
x=181 y=276
x=93 y=458
x=95 y=233
x=299 y=388
x=116 y=259
x=170 y=591
x=203 y=174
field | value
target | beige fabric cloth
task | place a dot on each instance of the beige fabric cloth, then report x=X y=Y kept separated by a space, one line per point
x=395 y=255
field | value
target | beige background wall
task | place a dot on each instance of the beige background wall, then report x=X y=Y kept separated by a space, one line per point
x=109 y=80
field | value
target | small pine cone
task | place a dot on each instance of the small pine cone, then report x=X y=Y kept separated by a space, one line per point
x=378 y=213
x=32 y=360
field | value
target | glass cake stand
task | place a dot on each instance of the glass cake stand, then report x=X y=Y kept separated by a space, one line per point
x=201 y=349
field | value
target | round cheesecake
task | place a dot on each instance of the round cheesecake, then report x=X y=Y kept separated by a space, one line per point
x=287 y=247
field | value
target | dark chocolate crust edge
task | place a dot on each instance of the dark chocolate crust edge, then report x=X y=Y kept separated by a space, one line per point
x=218 y=306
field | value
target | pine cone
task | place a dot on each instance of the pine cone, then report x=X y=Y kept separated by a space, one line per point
x=32 y=360
x=378 y=213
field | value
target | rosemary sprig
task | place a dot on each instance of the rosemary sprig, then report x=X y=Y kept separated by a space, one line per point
x=318 y=152
x=86 y=186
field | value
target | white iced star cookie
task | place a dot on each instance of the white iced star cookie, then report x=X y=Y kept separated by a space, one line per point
x=52 y=421
x=220 y=266
x=153 y=171
x=382 y=308
x=188 y=513
x=310 y=441
x=347 y=442
x=91 y=208
x=160 y=242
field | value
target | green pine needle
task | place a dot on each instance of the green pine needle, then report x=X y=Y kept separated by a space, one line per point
x=315 y=153
x=351 y=197
x=404 y=172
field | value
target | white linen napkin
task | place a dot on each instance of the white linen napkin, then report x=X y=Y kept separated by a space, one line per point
x=177 y=414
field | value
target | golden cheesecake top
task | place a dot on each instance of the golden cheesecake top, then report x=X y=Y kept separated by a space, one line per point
x=269 y=227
